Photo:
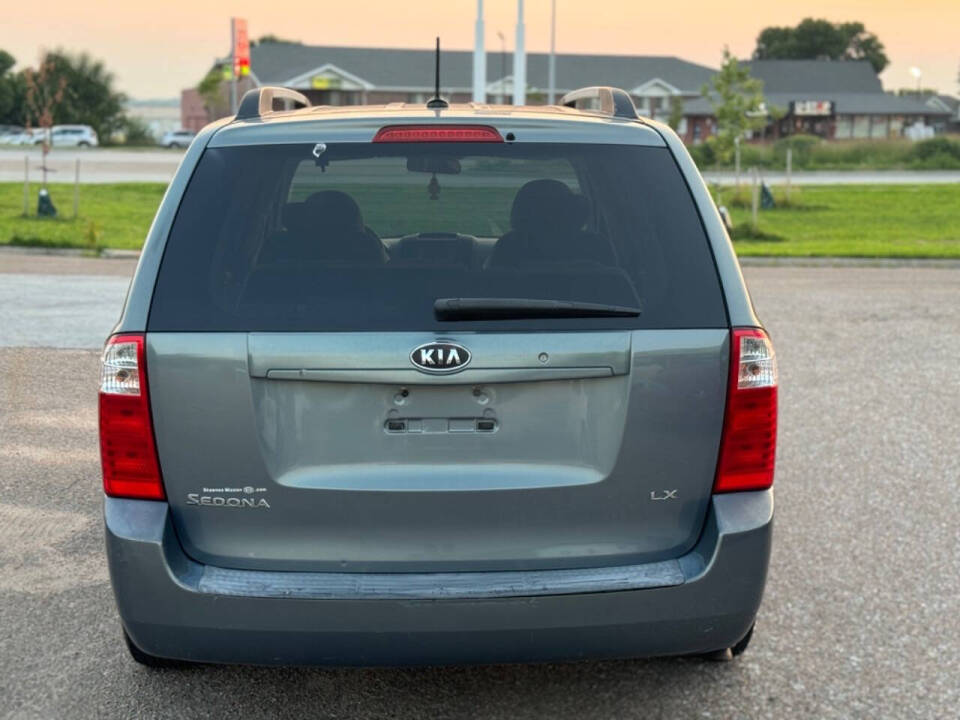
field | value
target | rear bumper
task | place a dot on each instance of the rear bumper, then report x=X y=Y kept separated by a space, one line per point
x=174 y=607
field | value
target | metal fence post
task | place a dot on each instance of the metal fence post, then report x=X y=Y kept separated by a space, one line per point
x=76 y=188
x=736 y=162
x=789 y=170
x=26 y=185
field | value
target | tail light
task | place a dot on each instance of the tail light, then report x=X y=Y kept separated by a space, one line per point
x=127 y=450
x=437 y=133
x=749 y=442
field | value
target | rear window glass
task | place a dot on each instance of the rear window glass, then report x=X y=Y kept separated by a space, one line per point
x=363 y=236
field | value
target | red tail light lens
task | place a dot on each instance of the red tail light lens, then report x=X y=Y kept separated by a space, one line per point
x=127 y=450
x=437 y=133
x=749 y=443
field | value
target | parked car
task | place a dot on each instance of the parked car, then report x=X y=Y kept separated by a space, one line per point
x=73 y=136
x=177 y=138
x=25 y=136
x=437 y=384
x=9 y=134
x=60 y=136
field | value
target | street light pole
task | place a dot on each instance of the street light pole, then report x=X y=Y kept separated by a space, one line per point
x=552 y=70
x=479 y=59
x=520 y=61
x=503 y=67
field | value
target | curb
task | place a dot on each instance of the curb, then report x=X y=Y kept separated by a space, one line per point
x=108 y=253
x=117 y=254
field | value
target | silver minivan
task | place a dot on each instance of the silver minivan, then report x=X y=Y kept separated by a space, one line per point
x=449 y=384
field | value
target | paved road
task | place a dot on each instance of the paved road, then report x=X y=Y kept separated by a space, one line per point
x=861 y=617
x=111 y=165
x=840 y=177
x=105 y=165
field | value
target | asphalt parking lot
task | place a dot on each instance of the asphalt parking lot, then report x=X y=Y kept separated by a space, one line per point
x=862 y=613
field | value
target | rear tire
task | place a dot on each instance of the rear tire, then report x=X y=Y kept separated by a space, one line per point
x=151 y=661
x=728 y=654
x=83 y=144
x=741 y=646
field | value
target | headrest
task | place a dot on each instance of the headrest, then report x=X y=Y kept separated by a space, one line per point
x=333 y=210
x=547 y=204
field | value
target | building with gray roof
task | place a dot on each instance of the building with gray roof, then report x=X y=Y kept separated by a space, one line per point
x=835 y=99
x=842 y=99
x=349 y=75
x=331 y=75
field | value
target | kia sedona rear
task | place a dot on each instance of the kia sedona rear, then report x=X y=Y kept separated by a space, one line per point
x=468 y=384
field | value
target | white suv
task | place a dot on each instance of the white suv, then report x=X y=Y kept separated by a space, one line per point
x=69 y=136
x=177 y=139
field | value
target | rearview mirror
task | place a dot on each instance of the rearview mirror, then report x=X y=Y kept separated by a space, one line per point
x=433 y=164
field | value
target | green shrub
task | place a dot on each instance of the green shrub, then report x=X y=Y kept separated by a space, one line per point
x=936 y=149
x=813 y=153
x=872 y=154
x=802 y=147
x=704 y=154
x=940 y=161
x=755 y=155
x=136 y=132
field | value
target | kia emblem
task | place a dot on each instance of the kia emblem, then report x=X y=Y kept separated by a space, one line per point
x=440 y=358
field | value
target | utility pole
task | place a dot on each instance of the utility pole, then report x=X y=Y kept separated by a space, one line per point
x=552 y=70
x=479 y=59
x=520 y=61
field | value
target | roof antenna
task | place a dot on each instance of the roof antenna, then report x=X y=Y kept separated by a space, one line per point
x=437 y=102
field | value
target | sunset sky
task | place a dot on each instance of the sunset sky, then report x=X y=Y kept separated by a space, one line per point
x=155 y=49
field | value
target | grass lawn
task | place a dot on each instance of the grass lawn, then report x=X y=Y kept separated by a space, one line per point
x=853 y=221
x=114 y=216
x=847 y=220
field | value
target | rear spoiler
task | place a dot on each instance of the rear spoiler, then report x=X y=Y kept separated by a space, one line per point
x=260 y=101
x=606 y=100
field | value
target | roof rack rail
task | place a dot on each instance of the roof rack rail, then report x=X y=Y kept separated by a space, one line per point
x=607 y=100
x=260 y=101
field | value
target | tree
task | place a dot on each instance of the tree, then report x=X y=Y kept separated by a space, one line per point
x=44 y=95
x=89 y=96
x=738 y=104
x=817 y=39
x=271 y=38
x=676 y=112
x=12 y=92
x=137 y=132
x=213 y=92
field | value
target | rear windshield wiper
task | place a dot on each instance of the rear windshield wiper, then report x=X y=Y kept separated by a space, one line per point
x=518 y=308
